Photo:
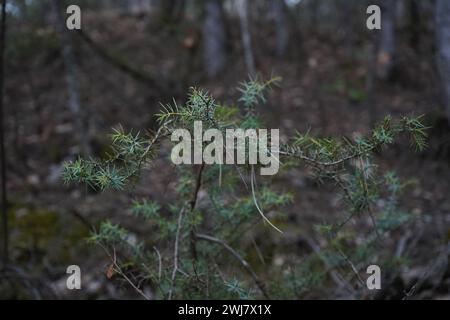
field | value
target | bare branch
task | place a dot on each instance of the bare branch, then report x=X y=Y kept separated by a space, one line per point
x=119 y=270
x=175 y=253
x=243 y=262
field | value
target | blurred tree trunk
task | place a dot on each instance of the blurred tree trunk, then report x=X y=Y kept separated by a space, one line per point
x=71 y=78
x=4 y=206
x=246 y=36
x=214 y=37
x=370 y=85
x=137 y=6
x=347 y=23
x=171 y=10
x=414 y=24
x=167 y=9
x=315 y=12
x=386 y=44
x=281 y=27
x=443 y=49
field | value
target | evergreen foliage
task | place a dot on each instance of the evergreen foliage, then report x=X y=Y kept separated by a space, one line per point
x=190 y=256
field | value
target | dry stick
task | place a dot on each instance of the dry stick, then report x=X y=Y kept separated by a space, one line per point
x=347 y=194
x=253 y=182
x=243 y=262
x=258 y=251
x=82 y=219
x=158 y=283
x=354 y=269
x=159 y=263
x=193 y=204
x=366 y=192
x=118 y=269
x=402 y=244
x=175 y=253
x=197 y=186
x=219 y=272
x=335 y=276
x=440 y=263
x=2 y=140
x=237 y=235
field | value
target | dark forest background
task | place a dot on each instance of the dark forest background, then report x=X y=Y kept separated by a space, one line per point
x=64 y=91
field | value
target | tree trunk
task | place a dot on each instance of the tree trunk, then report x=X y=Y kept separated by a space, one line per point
x=281 y=27
x=246 y=37
x=386 y=45
x=443 y=49
x=4 y=206
x=315 y=13
x=71 y=67
x=171 y=10
x=415 y=24
x=214 y=37
x=347 y=23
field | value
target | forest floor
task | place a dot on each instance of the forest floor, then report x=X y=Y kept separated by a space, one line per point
x=324 y=89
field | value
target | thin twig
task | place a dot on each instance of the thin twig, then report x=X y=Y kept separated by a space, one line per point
x=253 y=182
x=193 y=204
x=175 y=253
x=159 y=263
x=439 y=264
x=355 y=271
x=118 y=269
x=243 y=262
x=258 y=251
x=366 y=193
x=335 y=276
x=198 y=184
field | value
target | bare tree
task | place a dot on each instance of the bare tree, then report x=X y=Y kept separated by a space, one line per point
x=347 y=23
x=414 y=23
x=246 y=37
x=281 y=27
x=443 y=49
x=214 y=37
x=71 y=79
x=2 y=138
x=314 y=7
x=386 y=45
x=171 y=10
x=138 y=6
